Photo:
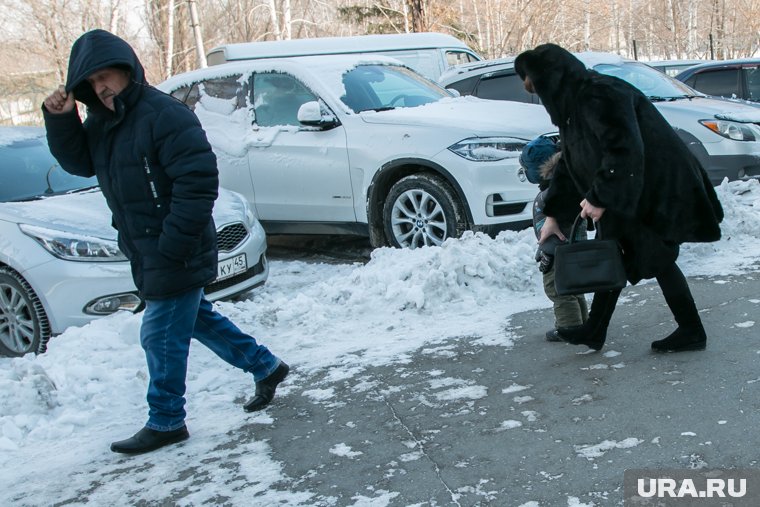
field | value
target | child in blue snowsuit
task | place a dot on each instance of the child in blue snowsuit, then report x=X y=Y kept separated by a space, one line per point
x=539 y=158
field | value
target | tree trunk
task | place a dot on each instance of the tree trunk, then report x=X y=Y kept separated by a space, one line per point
x=275 y=20
x=418 y=10
x=196 y=25
x=169 y=40
x=287 y=19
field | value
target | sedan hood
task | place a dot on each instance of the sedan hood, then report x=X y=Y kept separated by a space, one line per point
x=707 y=108
x=82 y=213
x=87 y=214
x=479 y=116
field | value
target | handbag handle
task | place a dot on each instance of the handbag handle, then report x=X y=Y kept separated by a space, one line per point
x=577 y=222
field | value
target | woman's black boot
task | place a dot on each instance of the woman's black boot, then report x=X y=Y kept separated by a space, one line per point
x=594 y=332
x=690 y=334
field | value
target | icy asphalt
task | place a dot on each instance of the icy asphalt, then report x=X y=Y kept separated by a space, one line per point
x=540 y=423
x=583 y=418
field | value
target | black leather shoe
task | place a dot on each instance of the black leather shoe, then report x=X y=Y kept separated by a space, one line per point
x=265 y=389
x=554 y=336
x=147 y=440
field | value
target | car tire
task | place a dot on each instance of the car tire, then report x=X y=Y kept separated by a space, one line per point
x=422 y=210
x=24 y=327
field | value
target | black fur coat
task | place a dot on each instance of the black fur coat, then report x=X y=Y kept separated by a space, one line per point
x=619 y=153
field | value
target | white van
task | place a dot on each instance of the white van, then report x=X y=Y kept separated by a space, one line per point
x=428 y=53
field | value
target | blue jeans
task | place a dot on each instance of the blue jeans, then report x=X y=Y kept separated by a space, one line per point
x=167 y=327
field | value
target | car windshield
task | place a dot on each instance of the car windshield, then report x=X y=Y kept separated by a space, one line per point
x=654 y=84
x=28 y=171
x=385 y=87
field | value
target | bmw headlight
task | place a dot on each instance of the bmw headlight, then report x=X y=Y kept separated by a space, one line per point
x=731 y=129
x=74 y=247
x=488 y=149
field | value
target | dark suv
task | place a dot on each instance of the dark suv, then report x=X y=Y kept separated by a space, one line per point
x=733 y=79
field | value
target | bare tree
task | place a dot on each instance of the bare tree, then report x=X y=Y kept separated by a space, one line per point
x=418 y=10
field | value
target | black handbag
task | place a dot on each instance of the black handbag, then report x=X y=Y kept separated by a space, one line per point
x=581 y=267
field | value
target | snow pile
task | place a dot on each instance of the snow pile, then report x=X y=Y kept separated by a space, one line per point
x=736 y=251
x=467 y=270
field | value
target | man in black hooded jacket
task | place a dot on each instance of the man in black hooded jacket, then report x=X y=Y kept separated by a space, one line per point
x=159 y=177
x=636 y=177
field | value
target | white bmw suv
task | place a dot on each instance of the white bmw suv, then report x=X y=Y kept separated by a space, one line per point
x=359 y=144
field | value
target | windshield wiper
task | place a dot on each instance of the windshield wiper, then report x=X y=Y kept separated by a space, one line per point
x=27 y=199
x=657 y=98
x=379 y=109
x=83 y=189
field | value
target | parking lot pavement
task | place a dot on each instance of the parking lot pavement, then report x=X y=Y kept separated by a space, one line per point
x=462 y=423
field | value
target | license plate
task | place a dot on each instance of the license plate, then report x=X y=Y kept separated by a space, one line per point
x=231 y=267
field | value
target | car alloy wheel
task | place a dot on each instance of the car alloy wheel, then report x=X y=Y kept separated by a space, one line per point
x=23 y=325
x=422 y=210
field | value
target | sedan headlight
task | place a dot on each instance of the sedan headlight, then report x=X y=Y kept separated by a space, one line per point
x=731 y=129
x=488 y=149
x=74 y=247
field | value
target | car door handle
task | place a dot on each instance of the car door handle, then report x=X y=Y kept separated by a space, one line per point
x=263 y=137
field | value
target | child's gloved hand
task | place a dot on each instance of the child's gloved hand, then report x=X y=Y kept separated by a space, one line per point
x=545 y=261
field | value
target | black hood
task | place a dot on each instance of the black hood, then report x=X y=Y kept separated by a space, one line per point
x=556 y=75
x=96 y=50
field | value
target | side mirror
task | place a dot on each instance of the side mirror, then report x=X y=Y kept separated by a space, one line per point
x=454 y=92
x=310 y=114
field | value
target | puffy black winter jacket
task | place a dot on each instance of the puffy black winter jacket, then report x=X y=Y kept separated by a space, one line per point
x=154 y=165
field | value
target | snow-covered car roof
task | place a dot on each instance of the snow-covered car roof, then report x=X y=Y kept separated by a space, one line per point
x=337 y=45
x=328 y=67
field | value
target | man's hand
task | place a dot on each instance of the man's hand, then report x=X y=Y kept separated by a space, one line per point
x=60 y=102
x=589 y=210
x=550 y=228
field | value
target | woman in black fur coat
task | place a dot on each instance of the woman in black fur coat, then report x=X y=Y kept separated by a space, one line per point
x=637 y=178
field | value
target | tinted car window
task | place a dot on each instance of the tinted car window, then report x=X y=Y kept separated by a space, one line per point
x=465 y=86
x=277 y=98
x=181 y=93
x=753 y=83
x=503 y=87
x=193 y=96
x=29 y=171
x=721 y=83
x=227 y=88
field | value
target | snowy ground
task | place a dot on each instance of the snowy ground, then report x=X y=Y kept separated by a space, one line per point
x=59 y=411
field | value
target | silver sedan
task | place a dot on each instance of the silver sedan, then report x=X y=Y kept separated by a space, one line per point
x=60 y=265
